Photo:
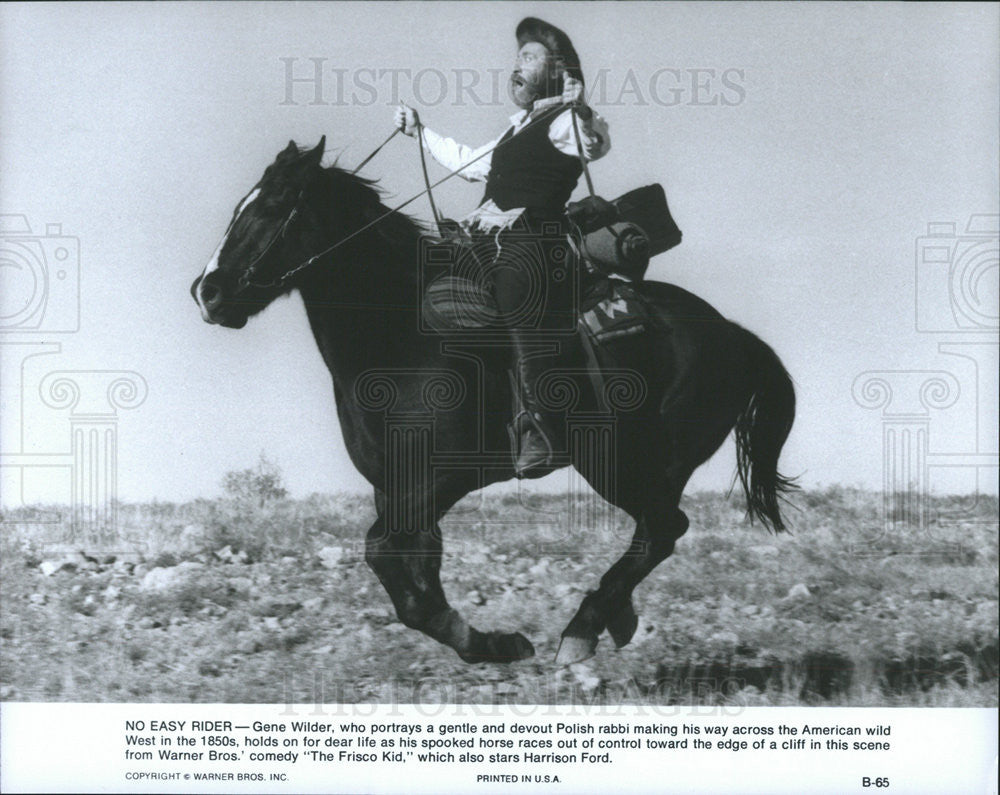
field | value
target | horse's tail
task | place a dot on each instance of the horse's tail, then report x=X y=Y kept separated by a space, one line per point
x=761 y=430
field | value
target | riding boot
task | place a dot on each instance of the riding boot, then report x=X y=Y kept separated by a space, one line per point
x=530 y=434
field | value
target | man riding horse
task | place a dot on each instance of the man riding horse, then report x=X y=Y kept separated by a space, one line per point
x=530 y=173
x=307 y=228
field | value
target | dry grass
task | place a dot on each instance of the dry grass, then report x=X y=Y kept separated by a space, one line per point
x=894 y=616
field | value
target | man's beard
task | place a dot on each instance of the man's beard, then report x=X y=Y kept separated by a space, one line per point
x=524 y=92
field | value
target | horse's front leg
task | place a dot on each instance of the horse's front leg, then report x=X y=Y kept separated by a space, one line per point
x=610 y=607
x=404 y=549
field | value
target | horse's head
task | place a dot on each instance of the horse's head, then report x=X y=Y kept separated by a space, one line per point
x=248 y=269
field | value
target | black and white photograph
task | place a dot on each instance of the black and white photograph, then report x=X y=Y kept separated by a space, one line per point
x=437 y=396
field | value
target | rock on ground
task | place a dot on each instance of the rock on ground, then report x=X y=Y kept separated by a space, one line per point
x=165 y=579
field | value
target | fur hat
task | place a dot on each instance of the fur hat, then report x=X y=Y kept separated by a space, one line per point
x=557 y=43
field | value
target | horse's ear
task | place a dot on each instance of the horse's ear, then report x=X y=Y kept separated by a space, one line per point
x=290 y=152
x=315 y=155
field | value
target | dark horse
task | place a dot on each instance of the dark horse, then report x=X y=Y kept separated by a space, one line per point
x=703 y=378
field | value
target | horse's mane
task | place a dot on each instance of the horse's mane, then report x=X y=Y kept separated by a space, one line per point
x=365 y=197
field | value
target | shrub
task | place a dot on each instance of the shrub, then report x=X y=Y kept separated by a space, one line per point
x=257 y=486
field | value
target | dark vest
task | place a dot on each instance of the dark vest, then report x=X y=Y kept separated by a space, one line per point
x=528 y=171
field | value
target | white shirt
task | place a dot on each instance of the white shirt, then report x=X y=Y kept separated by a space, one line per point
x=594 y=138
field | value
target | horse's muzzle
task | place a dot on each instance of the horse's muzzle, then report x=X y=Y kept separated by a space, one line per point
x=209 y=297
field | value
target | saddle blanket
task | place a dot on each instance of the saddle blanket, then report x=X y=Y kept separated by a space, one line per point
x=611 y=309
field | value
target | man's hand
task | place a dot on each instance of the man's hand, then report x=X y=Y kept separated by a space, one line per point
x=407 y=120
x=573 y=95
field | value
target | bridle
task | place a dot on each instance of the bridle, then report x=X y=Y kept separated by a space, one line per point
x=246 y=278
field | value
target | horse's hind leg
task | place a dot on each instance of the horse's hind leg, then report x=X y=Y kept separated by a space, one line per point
x=408 y=564
x=659 y=523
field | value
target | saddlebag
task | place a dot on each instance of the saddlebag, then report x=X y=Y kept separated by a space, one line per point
x=621 y=236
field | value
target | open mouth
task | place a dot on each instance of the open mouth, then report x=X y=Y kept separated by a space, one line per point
x=517 y=81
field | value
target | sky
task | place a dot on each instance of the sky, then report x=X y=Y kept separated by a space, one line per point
x=805 y=150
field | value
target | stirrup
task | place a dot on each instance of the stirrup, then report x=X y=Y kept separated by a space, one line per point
x=530 y=446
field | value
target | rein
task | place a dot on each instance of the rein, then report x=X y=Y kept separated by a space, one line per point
x=246 y=279
x=427 y=179
x=378 y=149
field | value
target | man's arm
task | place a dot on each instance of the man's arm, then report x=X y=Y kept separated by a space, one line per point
x=594 y=135
x=474 y=163
x=593 y=130
x=453 y=155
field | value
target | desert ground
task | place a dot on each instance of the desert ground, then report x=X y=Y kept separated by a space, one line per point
x=256 y=597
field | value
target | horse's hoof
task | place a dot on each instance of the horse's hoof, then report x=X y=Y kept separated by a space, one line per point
x=622 y=626
x=574 y=650
x=521 y=646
